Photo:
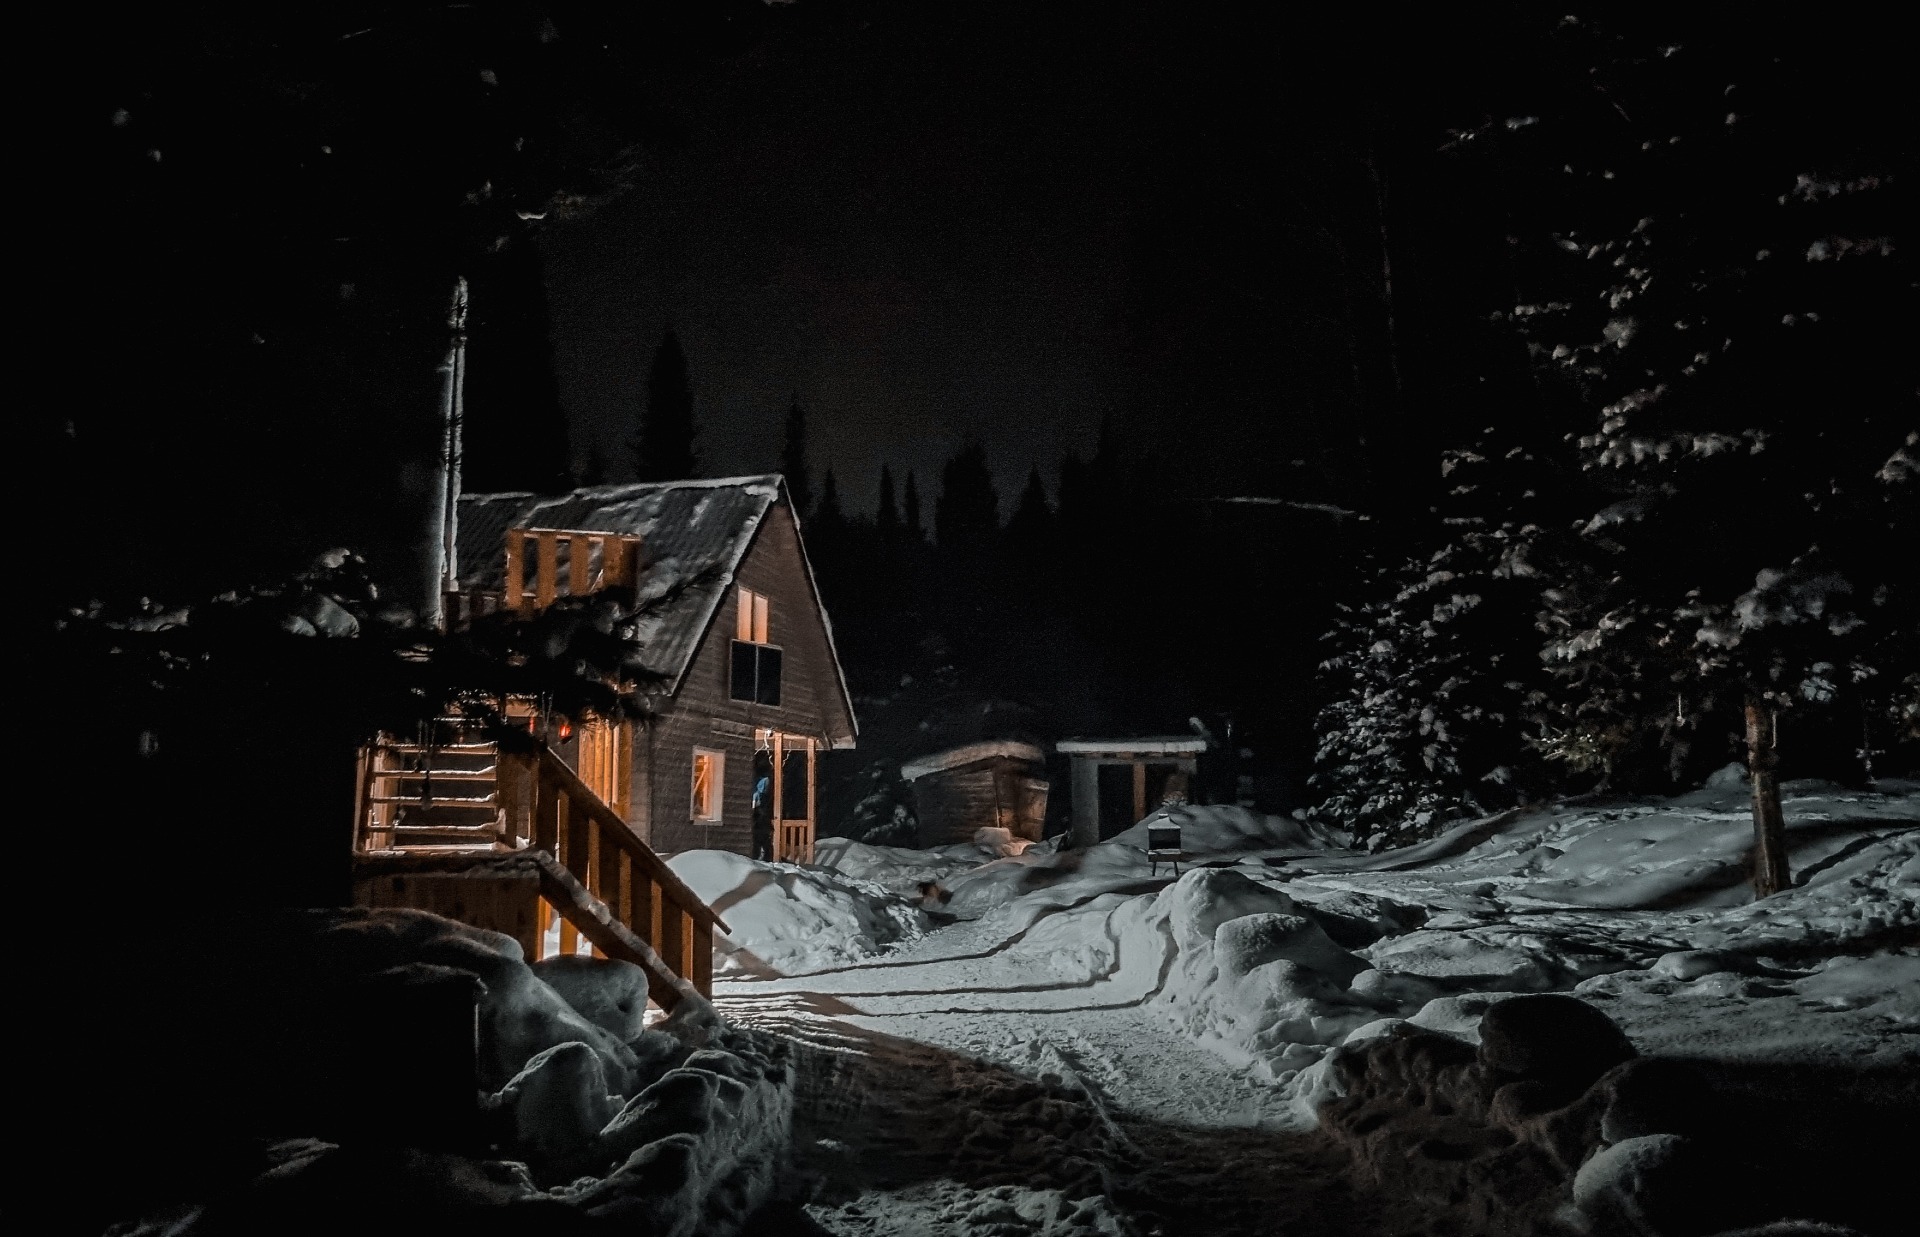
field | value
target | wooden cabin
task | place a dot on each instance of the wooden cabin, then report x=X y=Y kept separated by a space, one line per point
x=1117 y=782
x=561 y=846
x=752 y=685
x=997 y=784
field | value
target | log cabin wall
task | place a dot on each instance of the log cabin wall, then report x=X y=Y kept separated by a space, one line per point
x=951 y=805
x=703 y=714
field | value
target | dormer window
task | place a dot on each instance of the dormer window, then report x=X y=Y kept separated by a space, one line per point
x=755 y=673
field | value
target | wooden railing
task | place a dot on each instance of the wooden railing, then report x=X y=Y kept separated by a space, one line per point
x=547 y=804
x=594 y=561
x=616 y=887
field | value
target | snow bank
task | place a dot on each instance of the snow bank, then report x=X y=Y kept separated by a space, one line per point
x=699 y=1149
x=520 y=1017
x=896 y=869
x=1121 y=863
x=792 y=918
x=1253 y=978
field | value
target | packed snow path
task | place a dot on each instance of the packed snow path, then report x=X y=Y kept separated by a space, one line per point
x=960 y=1087
x=1094 y=1050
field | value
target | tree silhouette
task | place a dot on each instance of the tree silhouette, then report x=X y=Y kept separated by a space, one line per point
x=966 y=516
x=664 y=449
x=793 y=458
x=910 y=512
x=886 y=517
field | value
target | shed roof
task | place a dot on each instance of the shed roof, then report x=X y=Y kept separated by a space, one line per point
x=955 y=757
x=687 y=528
x=1152 y=745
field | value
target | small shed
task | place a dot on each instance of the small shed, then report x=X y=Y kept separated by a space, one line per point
x=999 y=783
x=1117 y=782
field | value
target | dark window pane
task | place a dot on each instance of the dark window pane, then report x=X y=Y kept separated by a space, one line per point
x=743 y=671
x=793 y=784
x=769 y=692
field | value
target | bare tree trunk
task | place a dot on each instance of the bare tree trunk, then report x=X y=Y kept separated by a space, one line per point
x=1770 y=874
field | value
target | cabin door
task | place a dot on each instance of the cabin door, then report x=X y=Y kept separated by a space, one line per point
x=793 y=785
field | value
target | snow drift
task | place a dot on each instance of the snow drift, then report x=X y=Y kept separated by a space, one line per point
x=793 y=918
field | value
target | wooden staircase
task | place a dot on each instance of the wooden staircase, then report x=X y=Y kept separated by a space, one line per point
x=515 y=841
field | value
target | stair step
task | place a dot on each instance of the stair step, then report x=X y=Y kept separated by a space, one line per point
x=440 y=775
x=437 y=747
x=450 y=831
x=435 y=801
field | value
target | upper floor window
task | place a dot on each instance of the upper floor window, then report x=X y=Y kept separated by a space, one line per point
x=755 y=670
x=750 y=624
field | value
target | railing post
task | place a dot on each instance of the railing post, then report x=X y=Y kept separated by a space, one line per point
x=516 y=589
x=547 y=570
x=579 y=582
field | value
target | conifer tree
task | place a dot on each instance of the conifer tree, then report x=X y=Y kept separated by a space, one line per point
x=886 y=516
x=664 y=449
x=966 y=515
x=910 y=512
x=1032 y=521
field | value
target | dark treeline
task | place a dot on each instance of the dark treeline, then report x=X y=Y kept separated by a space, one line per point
x=1098 y=605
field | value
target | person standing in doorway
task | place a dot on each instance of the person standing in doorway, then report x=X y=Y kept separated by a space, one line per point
x=762 y=812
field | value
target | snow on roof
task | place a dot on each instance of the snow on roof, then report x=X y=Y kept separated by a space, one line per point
x=1152 y=745
x=687 y=528
x=953 y=758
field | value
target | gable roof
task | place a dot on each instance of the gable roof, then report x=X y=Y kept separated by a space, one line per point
x=687 y=528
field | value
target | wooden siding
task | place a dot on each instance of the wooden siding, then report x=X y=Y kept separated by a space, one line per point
x=952 y=804
x=507 y=903
x=703 y=713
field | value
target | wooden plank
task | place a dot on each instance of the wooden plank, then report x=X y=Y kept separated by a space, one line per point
x=701 y=973
x=579 y=581
x=644 y=918
x=675 y=931
x=516 y=588
x=623 y=885
x=813 y=761
x=1139 y=790
x=779 y=783
x=547 y=569
x=363 y=763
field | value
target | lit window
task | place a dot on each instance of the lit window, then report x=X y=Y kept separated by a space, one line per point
x=755 y=673
x=750 y=625
x=707 y=777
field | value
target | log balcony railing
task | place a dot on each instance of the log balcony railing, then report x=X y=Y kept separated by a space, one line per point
x=591 y=870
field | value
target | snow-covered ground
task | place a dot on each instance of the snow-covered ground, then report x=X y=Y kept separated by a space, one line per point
x=1094 y=1045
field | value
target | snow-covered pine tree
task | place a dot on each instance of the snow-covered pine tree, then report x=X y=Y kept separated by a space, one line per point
x=1433 y=686
x=1727 y=298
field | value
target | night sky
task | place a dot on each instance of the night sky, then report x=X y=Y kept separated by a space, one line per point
x=981 y=221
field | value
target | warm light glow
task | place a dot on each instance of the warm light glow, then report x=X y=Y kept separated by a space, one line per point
x=707 y=780
x=750 y=622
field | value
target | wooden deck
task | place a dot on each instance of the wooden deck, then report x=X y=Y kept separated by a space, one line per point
x=513 y=841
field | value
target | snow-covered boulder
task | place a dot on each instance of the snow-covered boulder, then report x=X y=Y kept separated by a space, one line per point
x=1560 y=1041
x=520 y=1017
x=559 y=1102
x=608 y=992
x=1247 y=975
